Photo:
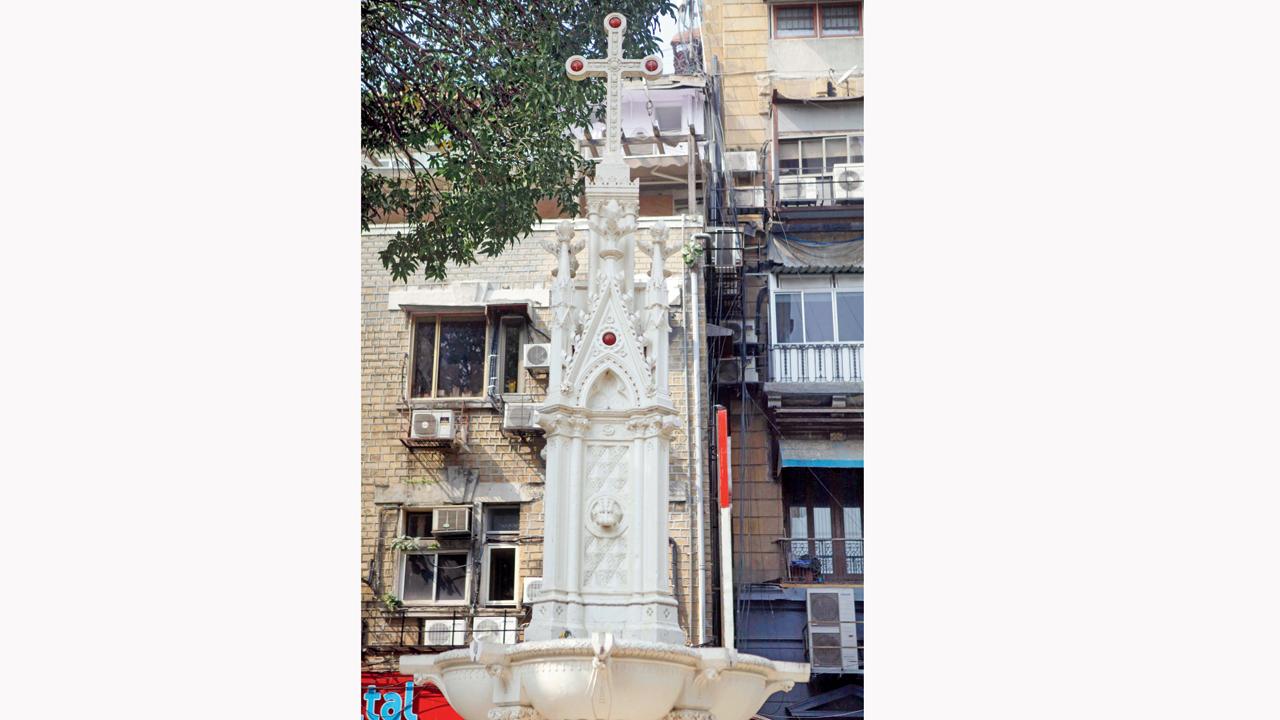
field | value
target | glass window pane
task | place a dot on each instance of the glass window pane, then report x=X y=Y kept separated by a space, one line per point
x=853 y=522
x=799 y=521
x=668 y=118
x=849 y=316
x=461 y=358
x=823 y=548
x=795 y=20
x=817 y=317
x=822 y=522
x=503 y=519
x=839 y=19
x=787 y=318
x=511 y=357
x=502 y=574
x=836 y=150
x=452 y=577
x=855 y=149
x=811 y=157
x=417 y=524
x=419 y=576
x=788 y=157
x=424 y=356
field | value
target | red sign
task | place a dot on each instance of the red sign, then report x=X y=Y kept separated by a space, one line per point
x=383 y=696
x=722 y=453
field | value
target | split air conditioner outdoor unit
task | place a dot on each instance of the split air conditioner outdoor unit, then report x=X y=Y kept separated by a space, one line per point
x=444 y=632
x=532 y=586
x=537 y=358
x=736 y=327
x=798 y=189
x=833 y=631
x=432 y=425
x=846 y=181
x=518 y=417
x=731 y=370
x=451 y=520
x=496 y=629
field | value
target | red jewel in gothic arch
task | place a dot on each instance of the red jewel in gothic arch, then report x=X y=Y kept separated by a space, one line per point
x=615 y=21
x=608 y=338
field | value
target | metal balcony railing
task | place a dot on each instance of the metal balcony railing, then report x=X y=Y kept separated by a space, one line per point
x=801 y=190
x=816 y=560
x=397 y=629
x=815 y=362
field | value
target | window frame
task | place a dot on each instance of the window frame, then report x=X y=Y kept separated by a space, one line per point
x=823 y=140
x=435 y=601
x=500 y=372
x=828 y=284
x=485 y=565
x=414 y=319
x=850 y=496
x=817 y=10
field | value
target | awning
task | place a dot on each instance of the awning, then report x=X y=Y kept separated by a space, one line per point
x=799 y=256
x=805 y=452
x=466 y=295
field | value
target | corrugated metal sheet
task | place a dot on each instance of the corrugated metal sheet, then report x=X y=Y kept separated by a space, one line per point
x=804 y=256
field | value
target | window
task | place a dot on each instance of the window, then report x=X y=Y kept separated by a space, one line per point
x=841 y=19
x=668 y=118
x=794 y=21
x=819 y=155
x=417 y=523
x=498 y=570
x=501 y=521
x=824 y=520
x=813 y=314
x=511 y=339
x=448 y=357
x=499 y=574
x=821 y=20
x=433 y=577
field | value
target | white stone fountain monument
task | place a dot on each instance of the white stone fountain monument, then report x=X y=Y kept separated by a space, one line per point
x=604 y=642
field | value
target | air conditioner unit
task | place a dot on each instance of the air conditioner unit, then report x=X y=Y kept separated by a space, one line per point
x=846 y=181
x=797 y=188
x=748 y=197
x=731 y=370
x=497 y=629
x=537 y=358
x=444 y=632
x=518 y=417
x=833 y=631
x=451 y=520
x=736 y=327
x=432 y=425
x=532 y=586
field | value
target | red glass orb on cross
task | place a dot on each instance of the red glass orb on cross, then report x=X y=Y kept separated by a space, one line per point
x=651 y=65
x=609 y=338
x=615 y=22
x=576 y=65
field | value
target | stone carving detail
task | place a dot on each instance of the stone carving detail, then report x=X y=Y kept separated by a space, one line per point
x=683 y=714
x=606 y=516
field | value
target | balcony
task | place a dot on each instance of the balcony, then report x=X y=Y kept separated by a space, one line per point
x=820 y=190
x=816 y=363
x=822 y=560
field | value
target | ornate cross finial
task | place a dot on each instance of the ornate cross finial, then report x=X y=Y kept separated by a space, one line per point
x=613 y=68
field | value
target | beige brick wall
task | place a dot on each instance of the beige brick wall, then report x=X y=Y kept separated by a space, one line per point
x=387 y=464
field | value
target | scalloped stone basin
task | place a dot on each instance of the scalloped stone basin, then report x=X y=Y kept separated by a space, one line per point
x=603 y=679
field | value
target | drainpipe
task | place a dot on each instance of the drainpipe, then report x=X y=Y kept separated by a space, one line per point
x=700 y=551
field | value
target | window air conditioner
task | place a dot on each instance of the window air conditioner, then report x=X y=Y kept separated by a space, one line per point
x=451 y=520
x=444 y=632
x=537 y=358
x=846 y=182
x=497 y=629
x=731 y=370
x=518 y=417
x=833 y=631
x=532 y=586
x=432 y=425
